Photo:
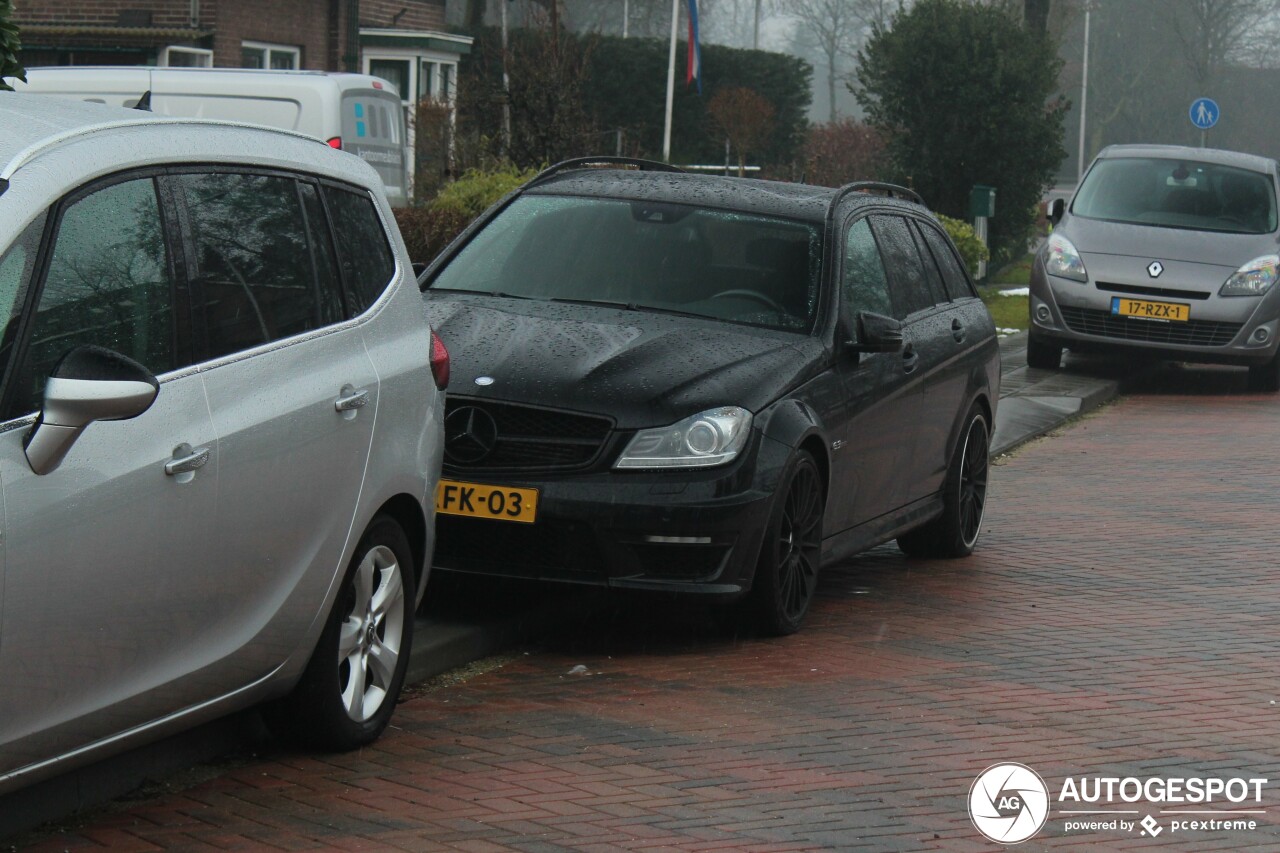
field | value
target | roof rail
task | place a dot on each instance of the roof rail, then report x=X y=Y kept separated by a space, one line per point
x=891 y=190
x=588 y=162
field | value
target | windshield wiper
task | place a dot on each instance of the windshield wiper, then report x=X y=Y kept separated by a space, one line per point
x=497 y=293
x=627 y=306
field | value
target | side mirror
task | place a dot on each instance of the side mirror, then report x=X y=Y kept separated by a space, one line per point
x=89 y=384
x=876 y=333
x=1057 y=208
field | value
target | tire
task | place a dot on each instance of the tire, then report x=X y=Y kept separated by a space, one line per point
x=345 y=699
x=964 y=497
x=1043 y=354
x=1265 y=378
x=787 y=569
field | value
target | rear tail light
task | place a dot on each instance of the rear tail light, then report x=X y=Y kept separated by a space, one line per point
x=439 y=362
x=336 y=142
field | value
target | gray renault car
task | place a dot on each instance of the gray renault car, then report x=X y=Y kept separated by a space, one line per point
x=1165 y=251
x=220 y=422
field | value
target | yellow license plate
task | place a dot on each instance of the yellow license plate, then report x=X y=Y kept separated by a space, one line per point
x=1144 y=310
x=478 y=500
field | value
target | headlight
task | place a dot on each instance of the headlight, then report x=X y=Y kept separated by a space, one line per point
x=709 y=438
x=1063 y=260
x=1254 y=278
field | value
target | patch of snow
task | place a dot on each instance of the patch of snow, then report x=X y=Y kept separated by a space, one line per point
x=1016 y=291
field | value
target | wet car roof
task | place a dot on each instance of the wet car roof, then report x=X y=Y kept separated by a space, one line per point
x=776 y=198
x=1203 y=155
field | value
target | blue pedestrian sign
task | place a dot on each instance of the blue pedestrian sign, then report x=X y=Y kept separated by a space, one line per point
x=1204 y=113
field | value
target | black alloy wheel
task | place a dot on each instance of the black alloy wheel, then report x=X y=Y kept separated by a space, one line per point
x=964 y=497
x=787 y=571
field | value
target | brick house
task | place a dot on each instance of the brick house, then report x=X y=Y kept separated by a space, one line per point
x=403 y=41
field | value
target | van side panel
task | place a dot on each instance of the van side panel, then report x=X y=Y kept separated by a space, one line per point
x=272 y=112
x=373 y=130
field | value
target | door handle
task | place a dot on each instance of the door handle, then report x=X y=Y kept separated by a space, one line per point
x=349 y=399
x=185 y=460
x=957 y=330
x=909 y=358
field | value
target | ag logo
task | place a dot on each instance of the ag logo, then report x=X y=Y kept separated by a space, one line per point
x=1008 y=803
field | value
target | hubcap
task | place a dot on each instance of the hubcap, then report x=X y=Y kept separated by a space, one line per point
x=973 y=481
x=369 y=640
x=800 y=542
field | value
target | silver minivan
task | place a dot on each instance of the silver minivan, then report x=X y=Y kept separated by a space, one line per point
x=220 y=428
x=1165 y=251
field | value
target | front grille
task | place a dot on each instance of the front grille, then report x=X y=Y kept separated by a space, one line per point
x=519 y=438
x=1204 y=333
x=1143 y=290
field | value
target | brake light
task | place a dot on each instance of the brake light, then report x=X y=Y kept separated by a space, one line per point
x=336 y=142
x=439 y=362
x=377 y=84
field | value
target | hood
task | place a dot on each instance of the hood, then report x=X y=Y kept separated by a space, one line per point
x=1098 y=237
x=643 y=369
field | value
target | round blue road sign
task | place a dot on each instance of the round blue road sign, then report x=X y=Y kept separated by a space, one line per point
x=1204 y=113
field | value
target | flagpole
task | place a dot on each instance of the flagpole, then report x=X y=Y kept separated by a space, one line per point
x=671 y=81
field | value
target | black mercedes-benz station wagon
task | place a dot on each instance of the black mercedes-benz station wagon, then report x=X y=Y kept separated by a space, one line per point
x=700 y=384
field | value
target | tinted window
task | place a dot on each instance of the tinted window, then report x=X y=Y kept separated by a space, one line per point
x=863 y=285
x=744 y=268
x=910 y=290
x=323 y=264
x=253 y=259
x=109 y=283
x=957 y=282
x=931 y=274
x=366 y=259
x=16 y=266
x=1178 y=194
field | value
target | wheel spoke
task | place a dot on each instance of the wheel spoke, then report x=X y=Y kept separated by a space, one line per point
x=362 y=583
x=382 y=664
x=390 y=593
x=353 y=695
x=349 y=636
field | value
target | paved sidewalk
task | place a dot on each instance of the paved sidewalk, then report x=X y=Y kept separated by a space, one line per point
x=1117 y=620
x=463 y=629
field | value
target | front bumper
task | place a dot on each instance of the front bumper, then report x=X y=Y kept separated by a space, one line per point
x=692 y=531
x=1222 y=330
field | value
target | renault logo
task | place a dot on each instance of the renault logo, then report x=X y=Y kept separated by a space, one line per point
x=470 y=434
x=1155 y=269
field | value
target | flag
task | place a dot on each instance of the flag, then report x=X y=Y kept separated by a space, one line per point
x=693 y=70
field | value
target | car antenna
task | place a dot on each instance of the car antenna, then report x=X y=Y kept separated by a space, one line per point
x=144 y=103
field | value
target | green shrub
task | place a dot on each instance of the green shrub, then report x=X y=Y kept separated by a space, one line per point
x=971 y=248
x=473 y=193
x=10 y=66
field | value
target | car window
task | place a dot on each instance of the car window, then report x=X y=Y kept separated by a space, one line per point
x=109 y=283
x=744 y=268
x=1178 y=194
x=324 y=265
x=366 y=259
x=254 y=267
x=16 y=266
x=932 y=276
x=953 y=275
x=864 y=286
x=908 y=286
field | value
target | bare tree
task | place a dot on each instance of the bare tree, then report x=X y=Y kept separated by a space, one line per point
x=744 y=117
x=838 y=29
x=1215 y=33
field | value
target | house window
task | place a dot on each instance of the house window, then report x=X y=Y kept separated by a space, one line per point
x=176 y=56
x=395 y=72
x=255 y=54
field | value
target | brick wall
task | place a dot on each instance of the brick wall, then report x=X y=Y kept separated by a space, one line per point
x=292 y=23
x=417 y=15
x=164 y=13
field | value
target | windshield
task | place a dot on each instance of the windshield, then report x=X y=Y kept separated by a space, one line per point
x=756 y=270
x=1178 y=194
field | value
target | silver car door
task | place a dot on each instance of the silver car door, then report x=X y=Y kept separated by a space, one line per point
x=107 y=558
x=293 y=396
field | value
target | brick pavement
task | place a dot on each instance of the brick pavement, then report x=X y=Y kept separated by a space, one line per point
x=1118 y=619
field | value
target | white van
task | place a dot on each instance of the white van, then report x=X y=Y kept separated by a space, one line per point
x=354 y=112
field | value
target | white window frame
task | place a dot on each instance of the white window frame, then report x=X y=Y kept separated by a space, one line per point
x=268 y=49
x=203 y=55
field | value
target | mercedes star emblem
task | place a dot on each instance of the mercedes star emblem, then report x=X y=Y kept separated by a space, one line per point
x=470 y=434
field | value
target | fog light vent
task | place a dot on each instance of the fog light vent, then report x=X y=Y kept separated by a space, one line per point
x=1261 y=335
x=1042 y=313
